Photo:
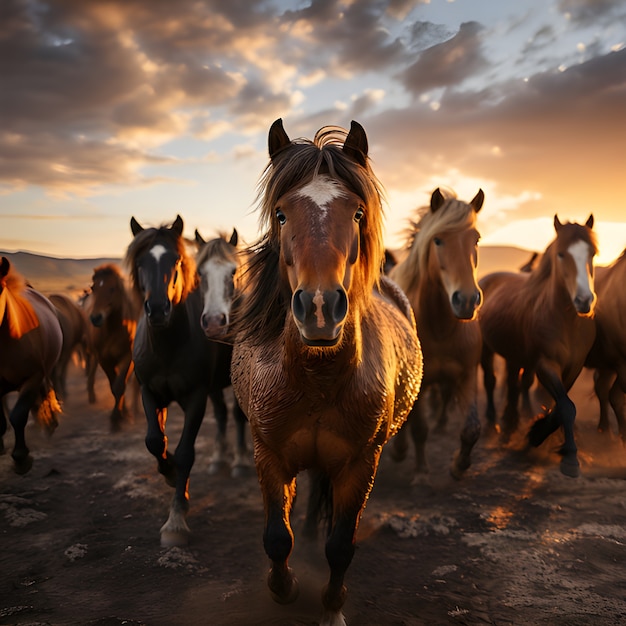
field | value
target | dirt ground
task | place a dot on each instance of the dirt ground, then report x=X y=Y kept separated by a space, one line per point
x=515 y=542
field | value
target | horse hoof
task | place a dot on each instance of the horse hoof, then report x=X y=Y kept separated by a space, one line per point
x=570 y=467
x=240 y=471
x=420 y=479
x=23 y=465
x=283 y=595
x=214 y=468
x=397 y=454
x=174 y=539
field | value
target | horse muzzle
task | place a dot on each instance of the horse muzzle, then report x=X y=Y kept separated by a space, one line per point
x=158 y=313
x=465 y=307
x=97 y=319
x=584 y=305
x=214 y=326
x=320 y=315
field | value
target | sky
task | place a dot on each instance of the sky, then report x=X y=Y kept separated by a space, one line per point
x=118 y=108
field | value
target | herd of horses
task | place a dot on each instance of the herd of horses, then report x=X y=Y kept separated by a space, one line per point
x=330 y=356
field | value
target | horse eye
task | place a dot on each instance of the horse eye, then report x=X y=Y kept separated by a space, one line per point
x=560 y=255
x=282 y=218
x=358 y=216
x=437 y=241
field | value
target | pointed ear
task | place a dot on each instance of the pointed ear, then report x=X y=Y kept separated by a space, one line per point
x=277 y=139
x=234 y=238
x=589 y=222
x=557 y=223
x=355 y=145
x=199 y=239
x=135 y=226
x=177 y=226
x=5 y=266
x=436 y=200
x=478 y=200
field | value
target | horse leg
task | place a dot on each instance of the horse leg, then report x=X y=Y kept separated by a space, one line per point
x=156 y=441
x=115 y=418
x=489 y=382
x=469 y=435
x=510 y=417
x=18 y=418
x=241 y=462
x=118 y=387
x=399 y=446
x=418 y=425
x=617 y=398
x=528 y=378
x=350 y=491
x=602 y=382
x=220 y=412
x=175 y=532
x=92 y=366
x=3 y=422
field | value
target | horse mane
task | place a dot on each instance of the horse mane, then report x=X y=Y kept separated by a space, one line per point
x=14 y=307
x=266 y=298
x=130 y=306
x=453 y=215
x=144 y=241
x=216 y=248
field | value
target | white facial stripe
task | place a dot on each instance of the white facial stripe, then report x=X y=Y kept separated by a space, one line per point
x=216 y=275
x=580 y=254
x=322 y=190
x=158 y=251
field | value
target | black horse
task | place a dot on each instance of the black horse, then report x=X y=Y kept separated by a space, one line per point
x=174 y=360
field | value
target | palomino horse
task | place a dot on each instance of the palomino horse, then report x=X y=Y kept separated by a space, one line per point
x=218 y=264
x=30 y=344
x=608 y=354
x=326 y=360
x=113 y=314
x=174 y=360
x=76 y=338
x=439 y=277
x=542 y=322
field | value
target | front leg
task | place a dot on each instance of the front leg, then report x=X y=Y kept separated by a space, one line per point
x=156 y=441
x=18 y=418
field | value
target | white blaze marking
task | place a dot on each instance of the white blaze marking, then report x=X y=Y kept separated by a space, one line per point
x=580 y=254
x=158 y=251
x=322 y=190
x=318 y=301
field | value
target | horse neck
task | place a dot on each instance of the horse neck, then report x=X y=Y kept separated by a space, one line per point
x=549 y=292
x=432 y=306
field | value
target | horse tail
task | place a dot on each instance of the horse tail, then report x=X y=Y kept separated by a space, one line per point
x=48 y=410
x=320 y=503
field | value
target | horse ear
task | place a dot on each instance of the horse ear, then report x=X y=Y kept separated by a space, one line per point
x=478 y=200
x=355 y=145
x=5 y=266
x=277 y=138
x=589 y=222
x=177 y=226
x=436 y=200
x=199 y=239
x=135 y=226
x=557 y=223
x=234 y=238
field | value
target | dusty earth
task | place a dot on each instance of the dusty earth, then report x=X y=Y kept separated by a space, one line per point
x=514 y=543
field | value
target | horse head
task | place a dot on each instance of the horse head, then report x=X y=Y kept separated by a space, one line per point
x=218 y=262
x=106 y=294
x=575 y=247
x=160 y=269
x=321 y=222
x=453 y=250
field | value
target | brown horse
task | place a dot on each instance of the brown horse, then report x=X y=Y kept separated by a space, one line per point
x=76 y=338
x=30 y=345
x=218 y=264
x=608 y=354
x=113 y=312
x=438 y=276
x=326 y=361
x=542 y=321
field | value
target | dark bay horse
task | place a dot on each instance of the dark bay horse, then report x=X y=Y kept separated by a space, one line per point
x=218 y=264
x=174 y=359
x=113 y=313
x=76 y=338
x=608 y=353
x=30 y=344
x=542 y=321
x=438 y=276
x=326 y=360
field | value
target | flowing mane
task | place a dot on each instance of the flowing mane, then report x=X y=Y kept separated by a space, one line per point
x=218 y=248
x=453 y=215
x=266 y=301
x=145 y=240
x=14 y=307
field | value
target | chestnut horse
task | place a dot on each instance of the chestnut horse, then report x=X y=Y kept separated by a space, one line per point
x=438 y=276
x=174 y=359
x=608 y=354
x=218 y=265
x=30 y=344
x=542 y=321
x=76 y=338
x=326 y=360
x=113 y=313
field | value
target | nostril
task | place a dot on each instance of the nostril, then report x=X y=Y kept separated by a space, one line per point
x=299 y=304
x=457 y=299
x=147 y=308
x=204 y=322
x=340 y=308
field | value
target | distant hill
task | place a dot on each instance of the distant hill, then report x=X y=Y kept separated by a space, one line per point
x=56 y=275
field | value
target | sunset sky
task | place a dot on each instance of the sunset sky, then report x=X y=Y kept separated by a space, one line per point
x=120 y=108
